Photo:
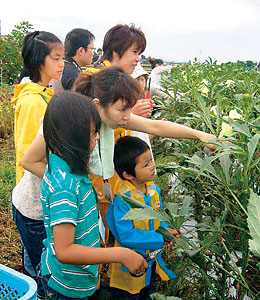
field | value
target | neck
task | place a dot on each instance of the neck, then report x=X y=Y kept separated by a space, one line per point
x=139 y=186
x=77 y=60
x=44 y=81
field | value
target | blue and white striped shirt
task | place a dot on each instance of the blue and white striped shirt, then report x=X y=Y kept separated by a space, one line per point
x=69 y=198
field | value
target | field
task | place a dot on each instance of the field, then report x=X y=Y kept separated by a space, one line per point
x=213 y=198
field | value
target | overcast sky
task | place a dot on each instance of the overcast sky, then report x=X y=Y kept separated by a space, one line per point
x=180 y=30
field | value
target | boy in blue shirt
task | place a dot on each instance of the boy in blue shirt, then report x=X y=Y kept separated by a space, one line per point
x=135 y=166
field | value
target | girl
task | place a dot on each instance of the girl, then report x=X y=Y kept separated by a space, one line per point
x=43 y=59
x=72 y=251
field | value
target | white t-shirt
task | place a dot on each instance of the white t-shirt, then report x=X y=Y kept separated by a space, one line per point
x=156 y=74
x=26 y=194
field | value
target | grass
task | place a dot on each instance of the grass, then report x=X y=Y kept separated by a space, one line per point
x=10 y=250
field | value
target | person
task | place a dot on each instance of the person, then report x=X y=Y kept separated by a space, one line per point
x=69 y=262
x=43 y=56
x=135 y=166
x=141 y=76
x=79 y=49
x=97 y=57
x=158 y=67
x=122 y=47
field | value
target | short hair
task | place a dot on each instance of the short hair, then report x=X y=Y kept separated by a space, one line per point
x=75 y=39
x=108 y=86
x=67 y=127
x=121 y=37
x=158 y=61
x=99 y=49
x=127 y=150
x=36 y=46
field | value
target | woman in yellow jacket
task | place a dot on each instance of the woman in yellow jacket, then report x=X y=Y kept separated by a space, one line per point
x=43 y=57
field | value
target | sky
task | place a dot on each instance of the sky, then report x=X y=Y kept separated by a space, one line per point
x=176 y=30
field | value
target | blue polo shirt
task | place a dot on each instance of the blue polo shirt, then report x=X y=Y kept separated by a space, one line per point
x=69 y=198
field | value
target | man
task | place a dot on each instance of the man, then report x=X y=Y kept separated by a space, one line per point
x=97 y=57
x=79 y=49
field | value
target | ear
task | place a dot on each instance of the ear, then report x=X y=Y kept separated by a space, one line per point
x=115 y=56
x=97 y=103
x=127 y=176
x=80 y=51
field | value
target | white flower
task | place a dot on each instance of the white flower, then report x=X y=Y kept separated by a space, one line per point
x=229 y=83
x=233 y=114
x=213 y=109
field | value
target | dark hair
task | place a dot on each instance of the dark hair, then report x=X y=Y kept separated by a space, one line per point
x=99 y=49
x=67 y=128
x=36 y=46
x=108 y=86
x=75 y=39
x=120 y=37
x=157 y=61
x=127 y=150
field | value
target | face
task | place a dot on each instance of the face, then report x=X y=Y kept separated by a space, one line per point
x=142 y=81
x=53 y=64
x=88 y=54
x=94 y=137
x=144 y=168
x=115 y=115
x=129 y=59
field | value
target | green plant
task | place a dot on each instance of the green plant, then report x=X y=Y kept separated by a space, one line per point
x=10 y=52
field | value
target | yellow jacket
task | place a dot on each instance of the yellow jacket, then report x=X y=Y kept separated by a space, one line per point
x=140 y=236
x=30 y=100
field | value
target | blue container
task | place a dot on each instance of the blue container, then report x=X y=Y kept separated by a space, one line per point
x=14 y=285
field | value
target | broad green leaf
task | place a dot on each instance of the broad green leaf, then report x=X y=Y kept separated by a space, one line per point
x=133 y=203
x=252 y=146
x=163 y=297
x=225 y=163
x=147 y=213
x=241 y=128
x=254 y=222
x=205 y=111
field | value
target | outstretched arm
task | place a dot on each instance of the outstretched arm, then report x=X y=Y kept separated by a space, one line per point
x=167 y=129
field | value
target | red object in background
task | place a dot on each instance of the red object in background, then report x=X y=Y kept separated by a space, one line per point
x=147 y=95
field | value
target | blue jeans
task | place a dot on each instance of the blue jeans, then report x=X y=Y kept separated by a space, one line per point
x=51 y=294
x=32 y=234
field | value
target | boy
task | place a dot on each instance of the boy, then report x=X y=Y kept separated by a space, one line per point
x=135 y=166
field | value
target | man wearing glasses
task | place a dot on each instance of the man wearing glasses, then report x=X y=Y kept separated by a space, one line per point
x=79 y=49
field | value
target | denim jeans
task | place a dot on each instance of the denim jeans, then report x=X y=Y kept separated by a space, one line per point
x=51 y=294
x=32 y=234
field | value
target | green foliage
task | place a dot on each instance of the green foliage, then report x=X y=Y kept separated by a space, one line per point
x=254 y=222
x=10 y=52
x=203 y=96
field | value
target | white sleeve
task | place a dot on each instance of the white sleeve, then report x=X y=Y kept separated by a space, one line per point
x=40 y=132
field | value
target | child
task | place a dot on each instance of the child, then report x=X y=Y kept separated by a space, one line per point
x=72 y=251
x=43 y=59
x=135 y=166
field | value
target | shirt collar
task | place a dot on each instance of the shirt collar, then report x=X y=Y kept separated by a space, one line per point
x=124 y=186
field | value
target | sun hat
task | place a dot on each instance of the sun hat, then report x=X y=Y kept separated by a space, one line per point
x=138 y=71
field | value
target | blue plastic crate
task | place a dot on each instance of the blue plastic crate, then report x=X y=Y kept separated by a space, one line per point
x=14 y=285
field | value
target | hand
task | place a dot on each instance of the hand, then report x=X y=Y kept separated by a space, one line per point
x=174 y=232
x=206 y=137
x=143 y=108
x=133 y=261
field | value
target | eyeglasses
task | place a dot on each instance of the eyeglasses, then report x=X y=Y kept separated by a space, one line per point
x=92 y=48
